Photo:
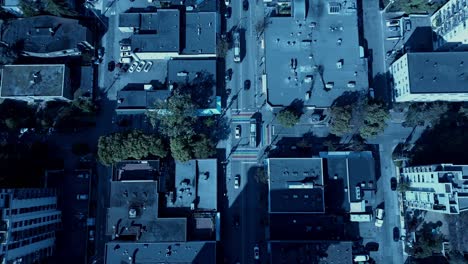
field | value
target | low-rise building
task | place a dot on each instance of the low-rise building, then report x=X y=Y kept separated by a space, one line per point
x=48 y=36
x=430 y=76
x=28 y=222
x=35 y=82
x=12 y=6
x=449 y=24
x=438 y=188
x=285 y=252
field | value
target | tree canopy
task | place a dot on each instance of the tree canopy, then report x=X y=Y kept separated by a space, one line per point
x=134 y=144
x=287 y=117
x=425 y=113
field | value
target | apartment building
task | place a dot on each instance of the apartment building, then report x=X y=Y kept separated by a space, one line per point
x=431 y=76
x=29 y=219
x=438 y=188
x=449 y=24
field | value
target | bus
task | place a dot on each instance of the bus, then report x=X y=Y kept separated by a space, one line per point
x=237 y=46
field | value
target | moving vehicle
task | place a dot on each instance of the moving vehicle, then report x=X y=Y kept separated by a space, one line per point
x=228 y=12
x=148 y=66
x=237 y=181
x=396 y=234
x=245 y=5
x=133 y=67
x=253 y=132
x=379 y=215
x=246 y=84
x=393 y=183
x=256 y=252
x=237 y=46
x=141 y=65
x=82 y=197
x=237 y=131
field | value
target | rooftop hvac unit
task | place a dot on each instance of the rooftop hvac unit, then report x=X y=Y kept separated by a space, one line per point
x=132 y=213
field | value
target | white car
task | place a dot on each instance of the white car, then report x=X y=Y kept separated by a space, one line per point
x=141 y=66
x=82 y=197
x=237 y=181
x=256 y=252
x=148 y=66
x=125 y=48
x=133 y=67
x=379 y=215
x=237 y=131
x=227 y=2
x=393 y=23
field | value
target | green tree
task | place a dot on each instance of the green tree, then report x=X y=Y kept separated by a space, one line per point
x=7 y=55
x=181 y=149
x=134 y=144
x=58 y=8
x=341 y=120
x=261 y=175
x=425 y=113
x=203 y=147
x=374 y=121
x=287 y=117
x=85 y=104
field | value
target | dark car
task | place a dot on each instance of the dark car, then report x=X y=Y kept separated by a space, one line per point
x=245 y=5
x=228 y=12
x=393 y=183
x=396 y=234
x=111 y=66
x=228 y=75
x=246 y=84
x=372 y=246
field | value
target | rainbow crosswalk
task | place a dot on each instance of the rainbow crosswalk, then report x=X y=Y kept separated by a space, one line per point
x=245 y=154
x=242 y=117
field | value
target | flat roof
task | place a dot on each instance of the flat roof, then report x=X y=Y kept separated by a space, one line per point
x=336 y=252
x=154 y=32
x=140 y=99
x=200 y=33
x=196 y=183
x=45 y=34
x=302 y=55
x=438 y=72
x=136 y=170
x=296 y=185
x=32 y=80
x=155 y=253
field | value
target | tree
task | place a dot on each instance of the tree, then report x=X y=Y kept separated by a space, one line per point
x=222 y=47
x=261 y=175
x=423 y=113
x=134 y=144
x=180 y=149
x=403 y=186
x=7 y=55
x=85 y=104
x=287 y=117
x=58 y=8
x=374 y=121
x=340 y=120
x=203 y=147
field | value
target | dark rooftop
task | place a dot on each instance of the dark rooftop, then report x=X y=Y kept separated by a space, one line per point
x=136 y=170
x=154 y=32
x=302 y=55
x=140 y=99
x=296 y=185
x=201 y=33
x=156 y=253
x=438 y=72
x=33 y=80
x=319 y=252
x=44 y=34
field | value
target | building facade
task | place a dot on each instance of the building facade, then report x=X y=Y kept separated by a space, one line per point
x=438 y=188
x=29 y=219
x=430 y=76
x=449 y=23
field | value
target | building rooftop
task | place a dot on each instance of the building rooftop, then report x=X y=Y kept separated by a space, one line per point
x=136 y=170
x=296 y=185
x=196 y=185
x=140 y=99
x=133 y=215
x=317 y=252
x=43 y=34
x=201 y=33
x=302 y=55
x=438 y=72
x=33 y=80
x=154 y=253
x=153 y=32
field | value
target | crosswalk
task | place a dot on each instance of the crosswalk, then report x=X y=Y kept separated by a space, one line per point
x=242 y=117
x=245 y=154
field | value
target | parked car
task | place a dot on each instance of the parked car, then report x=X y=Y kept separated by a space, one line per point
x=246 y=84
x=227 y=2
x=91 y=235
x=379 y=215
x=393 y=23
x=124 y=54
x=237 y=131
x=393 y=183
x=396 y=234
x=407 y=25
x=237 y=181
x=396 y=28
x=148 y=66
x=228 y=75
x=372 y=246
x=111 y=66
x=361 y=258
x=245 y=5
x=256 y=252
x=82 y=197
x=133 y=67
x=100 y=52
x=125 y=48
x=141 y=65
x=228 y=12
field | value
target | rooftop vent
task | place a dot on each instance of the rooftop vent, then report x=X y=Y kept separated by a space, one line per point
x=132 y=213
x=36 y=77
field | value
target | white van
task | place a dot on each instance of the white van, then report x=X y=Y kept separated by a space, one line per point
x=359 y=258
